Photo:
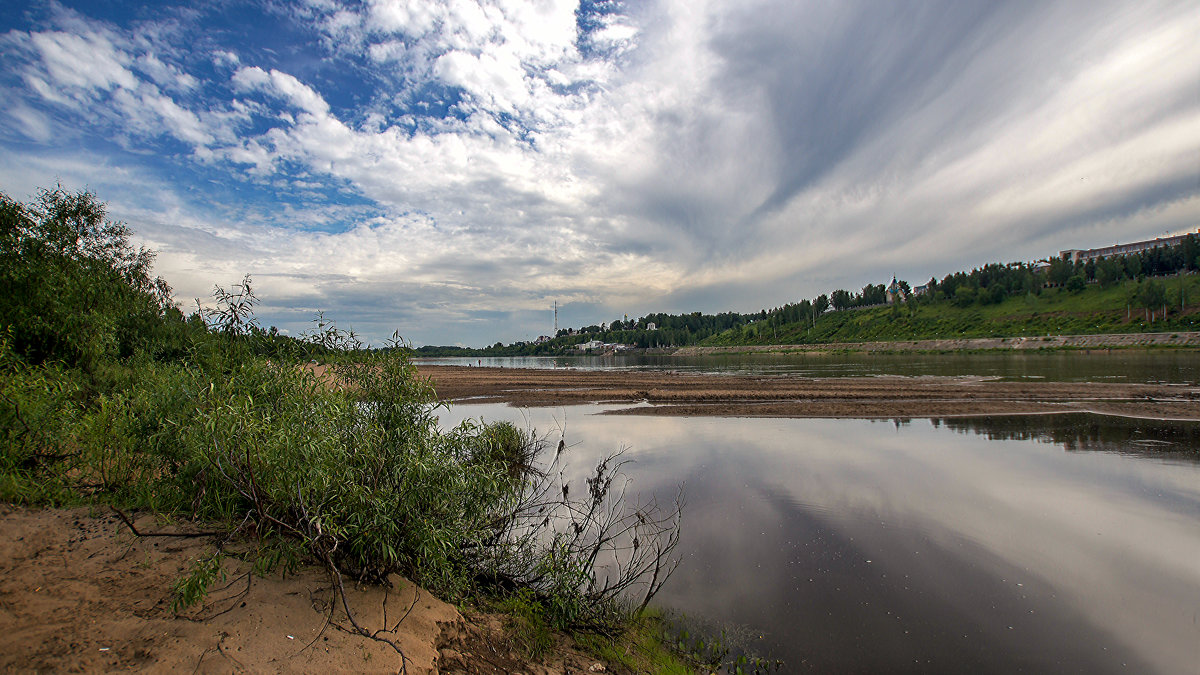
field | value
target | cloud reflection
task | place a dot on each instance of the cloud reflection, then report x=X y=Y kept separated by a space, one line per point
x=983 y=554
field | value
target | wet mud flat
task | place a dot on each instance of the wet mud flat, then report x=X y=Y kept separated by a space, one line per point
x=665 y=393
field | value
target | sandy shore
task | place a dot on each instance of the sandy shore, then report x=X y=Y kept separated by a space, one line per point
x=80 y=593
x=786 y=396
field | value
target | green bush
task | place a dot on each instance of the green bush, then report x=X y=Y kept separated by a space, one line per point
x=38 y=413
x=73 y=284
x=108 y=393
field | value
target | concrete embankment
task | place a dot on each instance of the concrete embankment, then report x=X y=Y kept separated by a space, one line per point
x=1119 y=341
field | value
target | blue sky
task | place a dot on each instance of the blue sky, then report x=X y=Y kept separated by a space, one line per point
x=450 y=169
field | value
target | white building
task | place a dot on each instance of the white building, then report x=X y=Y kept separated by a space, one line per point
x=1077 y=255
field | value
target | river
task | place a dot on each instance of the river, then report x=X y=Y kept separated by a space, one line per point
x=1066 y=543
x=1176 y=366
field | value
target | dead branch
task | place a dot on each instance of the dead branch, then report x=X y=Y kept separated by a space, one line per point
x=341 y=589
x=328 y=621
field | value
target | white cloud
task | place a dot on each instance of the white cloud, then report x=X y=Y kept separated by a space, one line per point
x=83 y=62
x=286 y=86
x=32 y=123
x=225 y=58
x=77 y=70
x=691 y=147
x=415 y=19
x=166 y=75
x=495 y=80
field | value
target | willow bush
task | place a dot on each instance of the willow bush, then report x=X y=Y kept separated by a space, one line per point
x=109 y=394
x=357 y=472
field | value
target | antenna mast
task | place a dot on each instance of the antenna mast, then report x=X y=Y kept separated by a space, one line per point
x=556 y=317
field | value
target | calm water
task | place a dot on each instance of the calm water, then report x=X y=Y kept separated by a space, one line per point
x=1043 y=544
x=1096 y=365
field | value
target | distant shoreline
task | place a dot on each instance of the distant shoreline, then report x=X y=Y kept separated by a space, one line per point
x=1173 y=340
x=1176 y=340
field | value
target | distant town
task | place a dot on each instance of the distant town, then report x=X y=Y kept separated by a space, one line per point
x=1071 y=270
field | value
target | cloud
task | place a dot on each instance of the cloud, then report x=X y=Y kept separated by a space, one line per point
x=109 y=81
x=32 y=124
x=285 y=86
x=82 y=62
x=437 y=163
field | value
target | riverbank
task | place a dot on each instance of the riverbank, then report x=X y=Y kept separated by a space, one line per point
x=80 y=593
x=663 y=393
x=1190 y=339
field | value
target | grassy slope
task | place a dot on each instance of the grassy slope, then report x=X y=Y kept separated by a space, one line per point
x=1055 y=312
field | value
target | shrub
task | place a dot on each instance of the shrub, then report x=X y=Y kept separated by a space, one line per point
x=71 y=285
x=107 y=392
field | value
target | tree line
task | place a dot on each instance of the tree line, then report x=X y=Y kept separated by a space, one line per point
x=985 y=285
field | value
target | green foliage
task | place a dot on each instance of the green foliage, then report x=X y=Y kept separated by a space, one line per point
x=38 y=411
x=503 y=448
x=1150 y=293
x=644 y=645
x=356 y=472
x=108 y=393
x=70 y=281
x=528 y=622
x=191 y=588
x=234 y=315
x=964 y=296
x=1058 y=311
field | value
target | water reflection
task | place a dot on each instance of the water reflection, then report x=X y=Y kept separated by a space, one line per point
x=967 y=545
x=1085 y=433
x=1181 y=367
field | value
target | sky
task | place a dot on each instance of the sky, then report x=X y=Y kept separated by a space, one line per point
x=450 y=170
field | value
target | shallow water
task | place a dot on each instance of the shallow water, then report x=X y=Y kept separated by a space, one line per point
x=1064 y=366
x=1065 y=543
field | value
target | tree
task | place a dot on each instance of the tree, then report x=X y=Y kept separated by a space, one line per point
x=1151 y=294
x=1060 y=270
x=820 y=304
x=1133 y=266
x=72 y=287
x=874 y=294
x=840 y=299
x=1031 y=283
x=964 y=296
x=1108 y=272
x=1190 y=249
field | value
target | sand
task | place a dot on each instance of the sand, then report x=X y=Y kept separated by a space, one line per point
x=80 y=593
x=792 y=396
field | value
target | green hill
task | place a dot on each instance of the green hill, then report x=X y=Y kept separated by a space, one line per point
x=1119 y=308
